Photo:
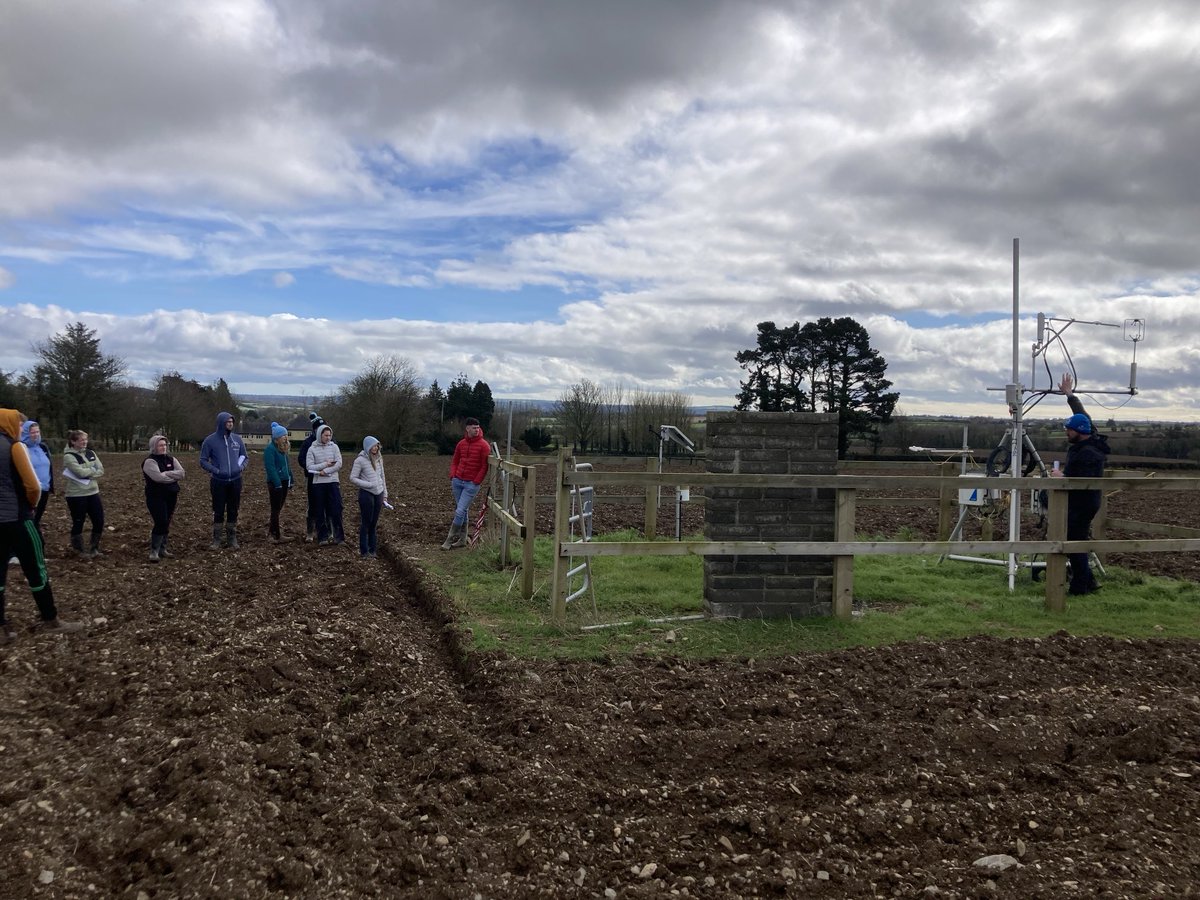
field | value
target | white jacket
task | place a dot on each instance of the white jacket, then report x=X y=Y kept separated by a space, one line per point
x=324 y=461
x=369 y=476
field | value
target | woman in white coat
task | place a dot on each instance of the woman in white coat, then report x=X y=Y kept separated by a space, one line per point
x=324 y=462
x=367 y=475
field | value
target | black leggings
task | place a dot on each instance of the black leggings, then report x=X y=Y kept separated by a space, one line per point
x=88 y=507
x=162 y=508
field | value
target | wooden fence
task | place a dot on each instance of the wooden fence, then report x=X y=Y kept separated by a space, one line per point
x=510 y=526
x=843 y=548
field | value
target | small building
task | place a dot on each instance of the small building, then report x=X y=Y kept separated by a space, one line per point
x=299 y=428
x=256 y=435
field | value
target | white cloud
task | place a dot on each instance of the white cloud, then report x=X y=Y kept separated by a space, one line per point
x=953 y=368
x=7 y=278
x=679 y=170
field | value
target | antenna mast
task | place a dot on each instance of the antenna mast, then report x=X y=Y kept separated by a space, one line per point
x=1014 y=395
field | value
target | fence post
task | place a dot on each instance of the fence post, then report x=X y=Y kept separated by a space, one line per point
x=947 y=494
x=562 y=513
x=843 y=564
x=529 y=517
x=651 y=526
x=1100 y=523
x=1056 y=563
x=505 y=503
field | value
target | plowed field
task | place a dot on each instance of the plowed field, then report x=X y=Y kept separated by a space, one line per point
x=285 y=721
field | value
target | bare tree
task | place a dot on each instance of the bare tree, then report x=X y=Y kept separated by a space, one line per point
x=649 y=410
x=578 y=413
x=131 y=410
x=382 y=400
x=182 y=409
x=525 y=415
x=612 y=415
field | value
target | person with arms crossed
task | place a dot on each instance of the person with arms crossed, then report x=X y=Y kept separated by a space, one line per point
x=82 y=469
x=162 y=473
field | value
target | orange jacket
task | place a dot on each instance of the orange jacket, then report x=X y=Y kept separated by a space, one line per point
x=10 y=424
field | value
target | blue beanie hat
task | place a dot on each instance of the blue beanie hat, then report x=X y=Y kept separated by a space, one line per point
x=277 y=431
x=1079 y=422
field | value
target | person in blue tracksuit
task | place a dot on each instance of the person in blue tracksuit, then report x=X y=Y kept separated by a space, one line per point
x=223 y=456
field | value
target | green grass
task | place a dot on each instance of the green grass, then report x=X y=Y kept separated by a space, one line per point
x=897 y=598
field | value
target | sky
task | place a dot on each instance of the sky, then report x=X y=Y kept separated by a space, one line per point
x=536 y=192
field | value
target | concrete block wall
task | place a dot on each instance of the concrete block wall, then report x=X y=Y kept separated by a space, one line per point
x=754 y=443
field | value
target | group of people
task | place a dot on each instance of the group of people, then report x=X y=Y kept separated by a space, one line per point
x=27 y=480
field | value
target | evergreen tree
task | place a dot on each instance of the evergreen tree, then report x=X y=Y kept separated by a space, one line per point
x=483 y=407
x=459 y=399
x=75 y=384
x=223 y=401
x=11 y=395
x=844 y=374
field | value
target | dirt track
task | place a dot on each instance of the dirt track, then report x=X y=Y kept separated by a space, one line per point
x=283 y=721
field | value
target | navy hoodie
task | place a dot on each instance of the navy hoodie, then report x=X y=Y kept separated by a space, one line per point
x=223 y=455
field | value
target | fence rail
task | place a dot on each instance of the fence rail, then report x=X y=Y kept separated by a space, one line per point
x=843 y=549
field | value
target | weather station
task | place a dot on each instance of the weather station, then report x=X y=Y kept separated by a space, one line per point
x=1016 y=443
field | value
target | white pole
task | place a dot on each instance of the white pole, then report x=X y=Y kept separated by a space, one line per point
x=1016 y=400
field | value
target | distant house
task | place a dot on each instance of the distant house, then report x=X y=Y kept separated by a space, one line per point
x=256 y=434
x=299 y=428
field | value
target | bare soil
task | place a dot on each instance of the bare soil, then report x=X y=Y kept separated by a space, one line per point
x=283 y=721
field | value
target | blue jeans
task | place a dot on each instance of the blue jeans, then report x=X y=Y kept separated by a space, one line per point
x=464 y=493
x=369 y=507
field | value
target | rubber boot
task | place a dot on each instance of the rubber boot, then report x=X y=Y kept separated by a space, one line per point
x=95 y=551
x=231 y=537
x=450 y=536
x=58 y=626
x=460 y=539
x=154 y=545
x=216 y=537
x=163 y=552
x=77 y=546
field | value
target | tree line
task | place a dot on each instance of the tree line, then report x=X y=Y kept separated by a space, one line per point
x=75 y=385
x=823 y=366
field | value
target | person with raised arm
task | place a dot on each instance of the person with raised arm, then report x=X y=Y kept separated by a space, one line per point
x=1087 y=453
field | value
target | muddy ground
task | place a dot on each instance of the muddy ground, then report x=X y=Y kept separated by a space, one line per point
x=282 y=721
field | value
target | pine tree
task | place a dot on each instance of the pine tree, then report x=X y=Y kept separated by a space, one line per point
x=824 y=366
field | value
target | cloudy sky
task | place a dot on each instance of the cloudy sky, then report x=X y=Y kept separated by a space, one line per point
x=533 y=192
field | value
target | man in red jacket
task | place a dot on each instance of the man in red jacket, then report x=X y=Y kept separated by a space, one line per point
x=468 y=468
